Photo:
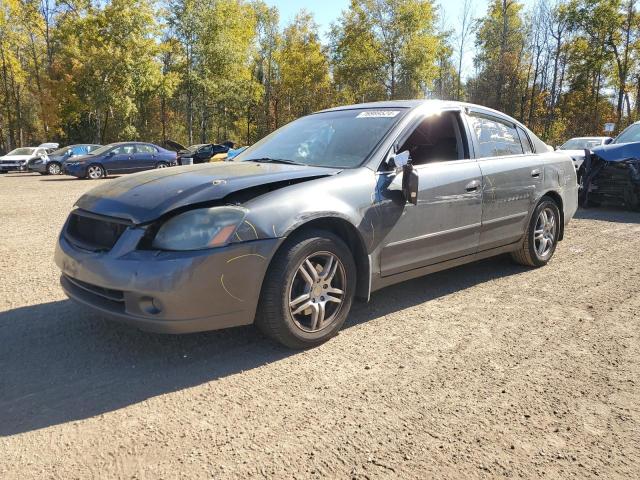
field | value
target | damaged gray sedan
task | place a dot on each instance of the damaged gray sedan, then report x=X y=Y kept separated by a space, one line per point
x=329 y=208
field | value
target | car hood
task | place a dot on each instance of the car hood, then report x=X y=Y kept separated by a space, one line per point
x=573 y=153
x=143 y=197
x=618 y=152
x=14 y=158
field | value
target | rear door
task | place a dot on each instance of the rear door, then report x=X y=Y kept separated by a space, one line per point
x=144 y=157
x=445 y=224
x=511 y=175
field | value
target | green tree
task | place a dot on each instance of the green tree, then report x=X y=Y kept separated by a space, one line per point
x=391 y=45
x=304 y=85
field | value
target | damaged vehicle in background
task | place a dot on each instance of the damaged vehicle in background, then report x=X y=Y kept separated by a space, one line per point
x=575 y=148
x=199 y=153
x=52 y=163
x=331 y=207
x=611 y=174
x=19 y=159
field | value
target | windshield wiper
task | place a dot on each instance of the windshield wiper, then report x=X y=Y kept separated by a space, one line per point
x=274 y=160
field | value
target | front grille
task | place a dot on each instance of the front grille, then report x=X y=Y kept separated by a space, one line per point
x=93 y=232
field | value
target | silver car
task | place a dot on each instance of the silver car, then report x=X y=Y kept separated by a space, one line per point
x=330 y=207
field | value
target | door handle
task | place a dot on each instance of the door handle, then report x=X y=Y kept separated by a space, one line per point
x=472 y=186
x=535 y=173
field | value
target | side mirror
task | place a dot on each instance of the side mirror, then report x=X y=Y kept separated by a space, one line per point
x=399 y=160
x=608 y=141
x=410 y=183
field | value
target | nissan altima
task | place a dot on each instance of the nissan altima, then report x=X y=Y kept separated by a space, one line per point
x=329 y=208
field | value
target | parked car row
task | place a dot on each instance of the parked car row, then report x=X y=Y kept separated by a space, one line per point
x=89 y=160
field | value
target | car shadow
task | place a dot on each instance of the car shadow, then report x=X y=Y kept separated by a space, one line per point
x=60 y=362
x=608 y=214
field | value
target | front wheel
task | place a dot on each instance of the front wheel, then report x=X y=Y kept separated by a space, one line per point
x=54 y=168
x=308 y=290
x=542 y=235
x=95 y=172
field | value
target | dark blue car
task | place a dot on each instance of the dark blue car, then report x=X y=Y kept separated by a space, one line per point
x=611 y=174
x=119 y=158
x=51 y=164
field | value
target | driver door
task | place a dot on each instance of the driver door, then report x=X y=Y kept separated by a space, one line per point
x=445 y=223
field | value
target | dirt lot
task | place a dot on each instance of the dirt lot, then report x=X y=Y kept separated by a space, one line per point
x=487 y=370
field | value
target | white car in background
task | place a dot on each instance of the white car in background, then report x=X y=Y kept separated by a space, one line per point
x=18 y=160
x=575 y=147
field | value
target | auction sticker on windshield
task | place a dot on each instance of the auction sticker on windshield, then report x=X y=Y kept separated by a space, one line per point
x=378 y=114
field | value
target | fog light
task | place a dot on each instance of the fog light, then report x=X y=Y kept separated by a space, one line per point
x=150 y=305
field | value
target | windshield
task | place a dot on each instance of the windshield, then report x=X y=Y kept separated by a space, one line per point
x=22 y=151
x=101 y=150
x=630 y=134
x=338 y=139
x=581 y=143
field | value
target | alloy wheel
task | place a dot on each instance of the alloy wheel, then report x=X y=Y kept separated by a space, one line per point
x=317 y=291
x=54 y=169
x=545 y=232
x=95 y=172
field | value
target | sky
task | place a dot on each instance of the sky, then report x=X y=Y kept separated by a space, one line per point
x=327 y=11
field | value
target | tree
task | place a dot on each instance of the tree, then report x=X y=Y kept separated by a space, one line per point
x=304 y=84
x=390 y=44
x=500 y=45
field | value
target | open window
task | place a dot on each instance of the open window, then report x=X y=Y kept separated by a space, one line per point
x=438 y=138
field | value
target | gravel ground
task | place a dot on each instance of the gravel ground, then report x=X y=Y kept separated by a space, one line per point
x=487 y=370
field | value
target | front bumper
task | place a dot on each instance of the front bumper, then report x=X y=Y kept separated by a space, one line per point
x=167 y=292
x=79 y=171
x=14 y=167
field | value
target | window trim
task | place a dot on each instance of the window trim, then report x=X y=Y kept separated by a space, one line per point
x=521 y=131
x=470 y=113
x=407 y=131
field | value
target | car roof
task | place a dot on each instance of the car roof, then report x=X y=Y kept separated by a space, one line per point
x=412 y=104
x=587 y=138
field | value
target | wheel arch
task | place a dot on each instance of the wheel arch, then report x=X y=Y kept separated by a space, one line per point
x=557 y=198
x=348 y=233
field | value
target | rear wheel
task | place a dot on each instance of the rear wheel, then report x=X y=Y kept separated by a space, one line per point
x=95 y=172
x=542 y=235
x=308 y=290
x=54 y=168
x=162 y=165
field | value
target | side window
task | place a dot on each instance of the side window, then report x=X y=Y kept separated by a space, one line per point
x=524 y=139
x=145 y=149
x=495 y=138
x=124 y=150
x=437 y=138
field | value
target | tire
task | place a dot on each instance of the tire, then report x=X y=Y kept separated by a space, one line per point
x=531 y=252
x=95 y=172
x=285 y=281
x=54 y=168
x=162 y=165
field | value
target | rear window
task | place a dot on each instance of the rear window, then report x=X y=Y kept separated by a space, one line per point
x=495 y=138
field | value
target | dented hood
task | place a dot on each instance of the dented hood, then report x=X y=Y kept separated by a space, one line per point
x=618 y=152
x=144 y=197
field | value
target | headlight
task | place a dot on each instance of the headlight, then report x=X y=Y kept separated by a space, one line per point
x=199 y=229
